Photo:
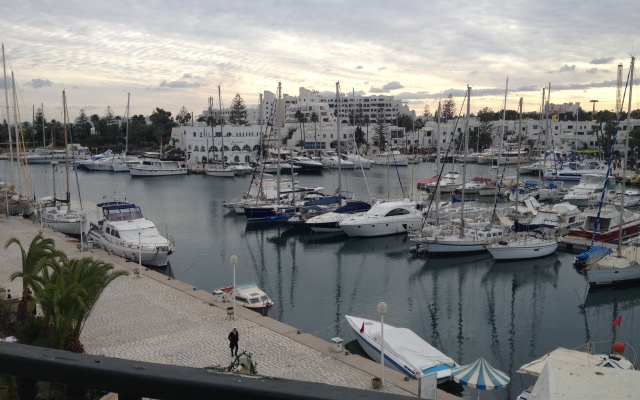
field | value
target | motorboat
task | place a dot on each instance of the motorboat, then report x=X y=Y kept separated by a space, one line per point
x=220 y=170
x=391 y=158
x=155 y=167
x=332 y=160
x=589 y=190
x=125 y=232
x=86 y=164
x=125 y=163
x=575 y=171
x=611 y=221
x=385 y=218
x=523 y=247
x=586 y=359
x=240 y=169
x=361 y=162
x=330 y=222
x=560 y=217
x=306 y=164
x=631 y=199
x=404 y=351
x=247 y=295
x=448 y=183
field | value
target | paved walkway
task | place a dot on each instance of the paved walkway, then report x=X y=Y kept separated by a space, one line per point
x=158 y=319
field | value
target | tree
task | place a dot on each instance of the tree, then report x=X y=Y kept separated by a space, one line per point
x=366 y=121
x=82 y=126
x=40 y=253
x=238 y=113
x=449 y=108
x=67 y=294
x=359 y=137
x=314 y=118
x=426 y=112
x=380 y=135
x=301 y=120
x=184 y=116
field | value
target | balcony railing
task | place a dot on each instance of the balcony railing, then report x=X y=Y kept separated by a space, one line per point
x=137 y=379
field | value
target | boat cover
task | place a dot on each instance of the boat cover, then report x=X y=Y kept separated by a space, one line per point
x=560 y=354
x=353 y=206
x=592 y=255
x=412 y=347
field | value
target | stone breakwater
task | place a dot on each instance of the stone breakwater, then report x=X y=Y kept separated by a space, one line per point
x=158 y=319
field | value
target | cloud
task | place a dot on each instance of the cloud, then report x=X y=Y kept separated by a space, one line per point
x=178 y=85
x=592 y=71
x=604 y=60
x=39 y=83
x=568 y=68
x=382 y=68
x=359 y=67
x=387 y=88
x=187 y=76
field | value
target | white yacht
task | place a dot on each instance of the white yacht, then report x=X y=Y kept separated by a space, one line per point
x=575 y=171
x=154 y=167
x=332 y=160
x=387 y=218
x=391 y=158
x=124 y=232
x=589 y=191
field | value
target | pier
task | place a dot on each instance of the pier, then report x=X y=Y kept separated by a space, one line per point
x=153 y=318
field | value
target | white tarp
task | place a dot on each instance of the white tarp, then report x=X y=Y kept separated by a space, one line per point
x=561 y=354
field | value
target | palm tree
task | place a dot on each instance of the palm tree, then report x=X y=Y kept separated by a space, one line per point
x=314 y=118
x=41 y=253
x=67 y=294
x=366 y=121
x=301 y=119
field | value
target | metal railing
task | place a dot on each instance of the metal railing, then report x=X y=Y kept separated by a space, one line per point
x=137 y=379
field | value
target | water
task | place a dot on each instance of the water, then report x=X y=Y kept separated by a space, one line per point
x=508 y=313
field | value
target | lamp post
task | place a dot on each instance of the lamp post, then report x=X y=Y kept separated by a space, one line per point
x=234 y=261
x=140 y=253
x=382 y=309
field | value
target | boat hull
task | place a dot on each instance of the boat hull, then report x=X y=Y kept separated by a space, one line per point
x=377 y=227
x=72 y=227
x=613 y=277
x=522 y=251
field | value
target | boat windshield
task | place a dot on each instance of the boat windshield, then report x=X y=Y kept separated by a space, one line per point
x=125 y=214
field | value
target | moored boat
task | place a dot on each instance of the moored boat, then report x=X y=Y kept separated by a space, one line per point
x=125 y=232
x=247 y=295
x=404 y=351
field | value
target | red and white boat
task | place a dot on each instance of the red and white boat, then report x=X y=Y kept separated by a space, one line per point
x=609 y=224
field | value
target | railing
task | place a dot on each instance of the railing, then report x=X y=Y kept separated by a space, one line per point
x=136 y=379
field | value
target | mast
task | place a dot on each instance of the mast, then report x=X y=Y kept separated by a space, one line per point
x=126 y=146
x=464 y=160
x=6 y=98
x=438 y=162
x=626 y=157
x=213 y=134
x=279 y=121
x=519 y=146
x=44 y=140
x=221 y=126
x=66 y=148
x=338 y=131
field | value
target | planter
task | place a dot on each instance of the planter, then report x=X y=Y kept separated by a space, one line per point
x=376 y=382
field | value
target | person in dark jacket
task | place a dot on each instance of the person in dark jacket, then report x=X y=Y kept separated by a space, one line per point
x=234 y=337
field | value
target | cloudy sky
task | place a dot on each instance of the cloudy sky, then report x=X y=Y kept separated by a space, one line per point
x=171 y=54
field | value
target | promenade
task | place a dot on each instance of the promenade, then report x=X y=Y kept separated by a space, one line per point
x=157 y=319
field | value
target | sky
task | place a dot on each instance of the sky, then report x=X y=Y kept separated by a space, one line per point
x=170 y=54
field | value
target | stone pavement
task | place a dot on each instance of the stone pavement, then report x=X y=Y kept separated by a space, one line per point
x=158 y=319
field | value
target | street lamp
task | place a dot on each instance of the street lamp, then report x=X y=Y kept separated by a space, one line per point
x=140 y=253
x=382 y=310
x=234 y=261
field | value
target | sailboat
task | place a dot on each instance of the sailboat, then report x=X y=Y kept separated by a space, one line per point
x=55 y=213
x=524 y=245
x=621 y=266
x=220 y=168
x=466 y=236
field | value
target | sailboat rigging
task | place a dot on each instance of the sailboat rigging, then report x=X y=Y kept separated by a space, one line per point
x=219 y=169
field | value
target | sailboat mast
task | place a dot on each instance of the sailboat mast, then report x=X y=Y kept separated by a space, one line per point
x=626 y=157
x=6 y=98
x=464 y=160
x=126 y=145
x=438 y=175
x=221 y=126
x=519 y=147
x=279 y=121
x=338 y=132
x=66 y=148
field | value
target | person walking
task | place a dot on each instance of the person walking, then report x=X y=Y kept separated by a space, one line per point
x=234 y=337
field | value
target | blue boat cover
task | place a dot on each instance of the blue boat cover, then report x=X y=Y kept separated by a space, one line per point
x=594 y=253
x=353 y=206
x=324 y=201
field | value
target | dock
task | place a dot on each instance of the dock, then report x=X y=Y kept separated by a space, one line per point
x=154 y=318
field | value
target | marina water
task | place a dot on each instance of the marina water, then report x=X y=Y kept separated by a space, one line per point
x=508 y=313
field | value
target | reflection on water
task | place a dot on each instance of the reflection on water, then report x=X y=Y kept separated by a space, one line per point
x=468 y=307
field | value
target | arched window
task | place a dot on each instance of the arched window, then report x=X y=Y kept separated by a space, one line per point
x=189 y=147
x=235 y=148
x=256 y=147
x=236 y=159
x=211 y=149
x=226 y=148
x=246 y=148
x=202 y=148
x=214 y=148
